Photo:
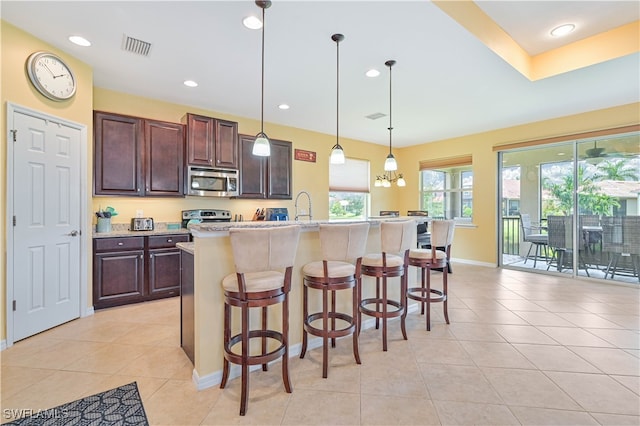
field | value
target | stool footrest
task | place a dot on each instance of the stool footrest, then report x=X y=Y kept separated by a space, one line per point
x=399 y=311
x=236 y=358
x=426 y=298
x=332 y=334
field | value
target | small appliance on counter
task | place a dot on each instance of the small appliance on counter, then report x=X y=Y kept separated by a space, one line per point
x=276 y=213
x=205 y=215
x=142 y=224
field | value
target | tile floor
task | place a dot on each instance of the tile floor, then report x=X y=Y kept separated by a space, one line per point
x=521 y=349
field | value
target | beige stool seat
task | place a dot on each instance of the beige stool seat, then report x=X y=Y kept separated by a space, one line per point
x=263 y=261
x=339 y=244
x=397 y=237
x=427 y=259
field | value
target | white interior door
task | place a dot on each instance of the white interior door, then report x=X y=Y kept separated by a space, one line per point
x=46 y=224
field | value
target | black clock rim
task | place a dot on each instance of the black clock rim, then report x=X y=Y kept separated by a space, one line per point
x=34 y=81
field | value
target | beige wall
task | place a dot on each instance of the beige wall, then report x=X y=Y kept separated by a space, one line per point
x=476 y=244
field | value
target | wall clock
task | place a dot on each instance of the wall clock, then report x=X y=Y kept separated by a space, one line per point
x=51 y=76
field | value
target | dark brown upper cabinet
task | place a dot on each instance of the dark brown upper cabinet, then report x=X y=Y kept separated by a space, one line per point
x=137 y=157
x=265 y=177
x=211 y=142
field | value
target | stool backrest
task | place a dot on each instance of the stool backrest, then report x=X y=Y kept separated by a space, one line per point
x=397 y=237
x=343 y=241
x=442 y=232
x=264 y=249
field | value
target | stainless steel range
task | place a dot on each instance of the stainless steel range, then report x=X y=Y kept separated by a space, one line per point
x=205 y=215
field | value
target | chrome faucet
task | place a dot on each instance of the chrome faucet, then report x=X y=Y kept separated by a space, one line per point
x=309 y=206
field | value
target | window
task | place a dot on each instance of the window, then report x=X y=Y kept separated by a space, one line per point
x=446 y=188
x=349 y=189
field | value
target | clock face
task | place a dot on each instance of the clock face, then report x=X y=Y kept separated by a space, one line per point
x=51 y=76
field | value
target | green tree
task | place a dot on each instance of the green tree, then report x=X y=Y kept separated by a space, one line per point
x=616 y=170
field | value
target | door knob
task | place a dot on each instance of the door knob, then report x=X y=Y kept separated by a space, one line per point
x=73 y=233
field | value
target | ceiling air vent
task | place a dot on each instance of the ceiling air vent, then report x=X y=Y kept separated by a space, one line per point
x=375 y=116
x=136 y=46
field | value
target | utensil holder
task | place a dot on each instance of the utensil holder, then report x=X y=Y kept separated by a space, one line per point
x=104 y=224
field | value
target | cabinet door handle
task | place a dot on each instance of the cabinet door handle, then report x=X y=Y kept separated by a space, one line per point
x=150 y=256
x=120 y=243
x=142 y=256
x=169 y=240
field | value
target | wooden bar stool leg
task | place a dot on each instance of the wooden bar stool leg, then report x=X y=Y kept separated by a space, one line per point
x=227 y=338
x=244 y=393
x=384 y=313
x=444 y=292
x=355 y=310
x=333 y=318
x=285 y=341
x=378 y=303
x=403 y=301
x=305 y=314
x=423 y=275
x=325 y=328
x=428 y=296
x=264 y=338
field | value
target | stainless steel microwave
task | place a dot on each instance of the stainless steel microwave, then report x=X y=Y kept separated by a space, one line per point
x=205 y=182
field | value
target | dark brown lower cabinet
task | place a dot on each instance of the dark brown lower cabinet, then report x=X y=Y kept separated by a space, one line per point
x=135 y=269
x=187 y=305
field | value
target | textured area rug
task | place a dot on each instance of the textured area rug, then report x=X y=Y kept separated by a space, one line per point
x=119 y=406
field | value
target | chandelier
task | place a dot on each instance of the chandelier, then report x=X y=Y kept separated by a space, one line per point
x=261 y=145
x=390 y=164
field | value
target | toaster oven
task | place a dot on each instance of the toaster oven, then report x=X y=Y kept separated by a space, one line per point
x=142 y=224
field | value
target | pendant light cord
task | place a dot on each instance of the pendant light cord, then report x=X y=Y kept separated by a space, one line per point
x=390 y=110
x=262 y=82
x=337 y=91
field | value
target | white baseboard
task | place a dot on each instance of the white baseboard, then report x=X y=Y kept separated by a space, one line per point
x=88 y=312
x=3 y=345
x=215 y=378
x=474 y=262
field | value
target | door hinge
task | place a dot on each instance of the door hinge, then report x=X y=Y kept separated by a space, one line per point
x=14 y=305
x=14 y=221
x=15 y=132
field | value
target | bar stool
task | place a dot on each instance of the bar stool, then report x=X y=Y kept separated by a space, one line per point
x=340 y=244
x=259 y=255
x=397 y=237
x=428 y=259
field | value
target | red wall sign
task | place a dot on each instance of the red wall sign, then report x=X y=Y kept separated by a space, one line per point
x=303 y=155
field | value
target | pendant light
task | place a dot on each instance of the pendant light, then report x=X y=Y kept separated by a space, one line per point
x=337 y=154
x=390 y=163
x=261 y=145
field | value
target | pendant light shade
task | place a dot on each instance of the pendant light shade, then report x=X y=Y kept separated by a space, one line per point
x=390 y=164
x=261 y=145
x=337 y=153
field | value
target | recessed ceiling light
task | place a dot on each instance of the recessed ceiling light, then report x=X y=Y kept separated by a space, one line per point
x=80 y=41
x=190 y=83
x=252 y=22
x=283 y=106
x=563 y=30
x=372 y=73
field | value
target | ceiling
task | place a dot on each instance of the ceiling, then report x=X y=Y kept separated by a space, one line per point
x=446 y=82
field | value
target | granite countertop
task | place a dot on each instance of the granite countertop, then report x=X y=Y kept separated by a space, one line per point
x=202 y=229
x=122 y=230
x=188 y=247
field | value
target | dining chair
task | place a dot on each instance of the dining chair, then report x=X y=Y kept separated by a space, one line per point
x=537 y=239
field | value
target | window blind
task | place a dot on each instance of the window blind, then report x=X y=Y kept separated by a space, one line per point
x=352 y=176
x=442 y=163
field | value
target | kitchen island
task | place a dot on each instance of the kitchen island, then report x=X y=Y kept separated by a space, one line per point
x=213 y=260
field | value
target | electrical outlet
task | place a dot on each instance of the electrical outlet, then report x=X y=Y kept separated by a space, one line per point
x=139 y=213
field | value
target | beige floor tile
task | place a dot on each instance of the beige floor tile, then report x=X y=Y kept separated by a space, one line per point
x=480 y=304
x=521 y=305
x=178 y=402
x=309 y=407
x=59 y=355
x=627 y=339
x=108 y=360
x=610 y=360
x=616 y=419
x=475 y=332
x=152 y=334
x=523 y=334
x=26 y=348
x=266 y=406
x=147 y=386
x=555 y=358
x=528 y=388
x=400 y=381
x=631 y=382
x=495 y=354
x=344 y=377
x=560 y=306
x=598 y=393
x=467 y=413
x=544 y=416
x=435 y=351
x=588 y=320
x=498 y=317
x=159 y=362
x=458 y=383
x=14 y=379
x=462 y=316
x=573 y=336
x=390 y=410
x=630 y=322
x=543 y=319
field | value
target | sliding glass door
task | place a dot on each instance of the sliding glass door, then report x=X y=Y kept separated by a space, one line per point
x=573 y=208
